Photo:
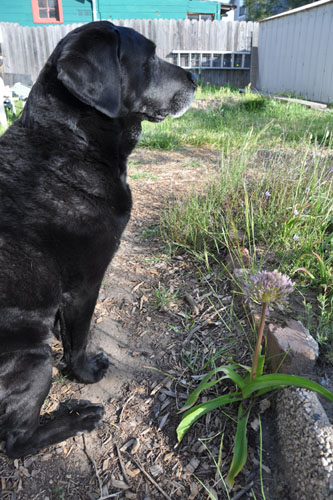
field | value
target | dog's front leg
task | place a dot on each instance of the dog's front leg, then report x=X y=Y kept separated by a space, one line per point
x=73 y=417
x=75 y=320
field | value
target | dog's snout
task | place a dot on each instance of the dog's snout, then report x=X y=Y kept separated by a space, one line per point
x=193 y=78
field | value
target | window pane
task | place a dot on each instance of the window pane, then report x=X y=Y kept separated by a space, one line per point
x=184 y=60
x=237 y=61
x=53 y=13
x=52 y=4
x=205 y=60
x=217 y=60
x=195 y=60
x=247 y=61
x=227 y=61
x=43 y=14
x=42 y=4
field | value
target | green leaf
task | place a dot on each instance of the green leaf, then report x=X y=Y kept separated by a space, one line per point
x=276 y=380
x=204 y=384
x=198 y=411
x=261 y=363
x=195 y=394
x=240 y=447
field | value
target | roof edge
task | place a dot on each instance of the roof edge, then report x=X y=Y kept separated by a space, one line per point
x=299 y=9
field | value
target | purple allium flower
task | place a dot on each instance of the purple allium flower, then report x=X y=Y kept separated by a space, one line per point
x=296 y=212
x=295 y=237
x=267 y=194
x=270 y=288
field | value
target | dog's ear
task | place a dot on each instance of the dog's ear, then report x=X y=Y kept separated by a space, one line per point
x=89 y=68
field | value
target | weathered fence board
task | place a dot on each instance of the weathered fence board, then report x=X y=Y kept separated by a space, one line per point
x=25 y=49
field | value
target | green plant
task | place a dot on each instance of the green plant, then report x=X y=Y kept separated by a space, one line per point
x=163 y=298
x=135 y=175
x=150 y=231
x=266 y=288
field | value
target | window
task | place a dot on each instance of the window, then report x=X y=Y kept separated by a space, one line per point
x=242 y=8
x=47 y=11
x=199 y=17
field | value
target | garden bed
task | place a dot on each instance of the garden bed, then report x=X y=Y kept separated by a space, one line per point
x=168 y=313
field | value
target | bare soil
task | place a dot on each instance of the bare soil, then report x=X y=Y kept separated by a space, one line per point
x=154 y=350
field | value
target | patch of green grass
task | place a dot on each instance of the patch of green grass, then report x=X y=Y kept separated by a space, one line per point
x=135 y=175
x=163 y=298
x=231 y=115
x=272 y=202
x=150 y=231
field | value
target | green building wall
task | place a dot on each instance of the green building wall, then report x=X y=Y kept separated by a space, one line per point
x=152 y=9
x=80 y=11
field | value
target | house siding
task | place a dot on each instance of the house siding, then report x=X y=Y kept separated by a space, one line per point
x=143 y=9
x=80 y=11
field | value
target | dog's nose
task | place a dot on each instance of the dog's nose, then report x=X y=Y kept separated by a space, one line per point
x=193 y=78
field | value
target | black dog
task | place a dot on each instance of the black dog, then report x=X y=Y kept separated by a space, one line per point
x=64 y=205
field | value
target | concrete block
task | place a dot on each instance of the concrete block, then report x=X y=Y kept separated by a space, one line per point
x=293 y=344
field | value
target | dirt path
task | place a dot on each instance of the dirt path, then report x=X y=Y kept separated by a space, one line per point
x=138 y=432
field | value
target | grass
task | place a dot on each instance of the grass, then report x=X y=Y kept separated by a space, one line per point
x=229 y=115
x=272 y=195
x=136 y=175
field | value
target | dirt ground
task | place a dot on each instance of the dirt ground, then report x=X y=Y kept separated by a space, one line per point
x=134 y=454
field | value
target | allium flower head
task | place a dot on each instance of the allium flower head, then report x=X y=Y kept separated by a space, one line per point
x=270 y=288
x=267 y=194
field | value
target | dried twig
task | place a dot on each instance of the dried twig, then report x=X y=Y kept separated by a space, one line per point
x=190 y=300
x=124 y=406
x=112 y=495
x=148 y=476
x=122 y=466
x=243 y=491
x=100 y=484
x=194 y=330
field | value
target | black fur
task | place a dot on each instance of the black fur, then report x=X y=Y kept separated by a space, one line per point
x=64 y=205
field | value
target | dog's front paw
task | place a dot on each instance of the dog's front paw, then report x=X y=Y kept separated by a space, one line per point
x=88 y=369
x=84 y=415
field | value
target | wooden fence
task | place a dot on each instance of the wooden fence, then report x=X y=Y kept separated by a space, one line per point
x=25 y=49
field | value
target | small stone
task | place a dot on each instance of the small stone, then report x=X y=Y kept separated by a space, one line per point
x=193 y=465
x=106 y=464
x=130 y=495
x=156 y=470
x=136 y=446
x=28 y=461
x=116 y=483
x=264 y=405
x=293 y=346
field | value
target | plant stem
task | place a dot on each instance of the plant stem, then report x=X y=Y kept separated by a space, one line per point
x=259 y=340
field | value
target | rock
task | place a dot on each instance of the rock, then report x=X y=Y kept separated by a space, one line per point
x=193 y=465
x=118 y=484
x=156 y=470
x=293 y=346
x=306 y=462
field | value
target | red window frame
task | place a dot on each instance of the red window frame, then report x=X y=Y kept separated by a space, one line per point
x=49 y=20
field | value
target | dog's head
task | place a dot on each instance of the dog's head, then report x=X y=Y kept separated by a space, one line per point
x=116 y=71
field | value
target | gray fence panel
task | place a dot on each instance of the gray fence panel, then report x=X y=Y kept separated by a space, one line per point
x=25 y=49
